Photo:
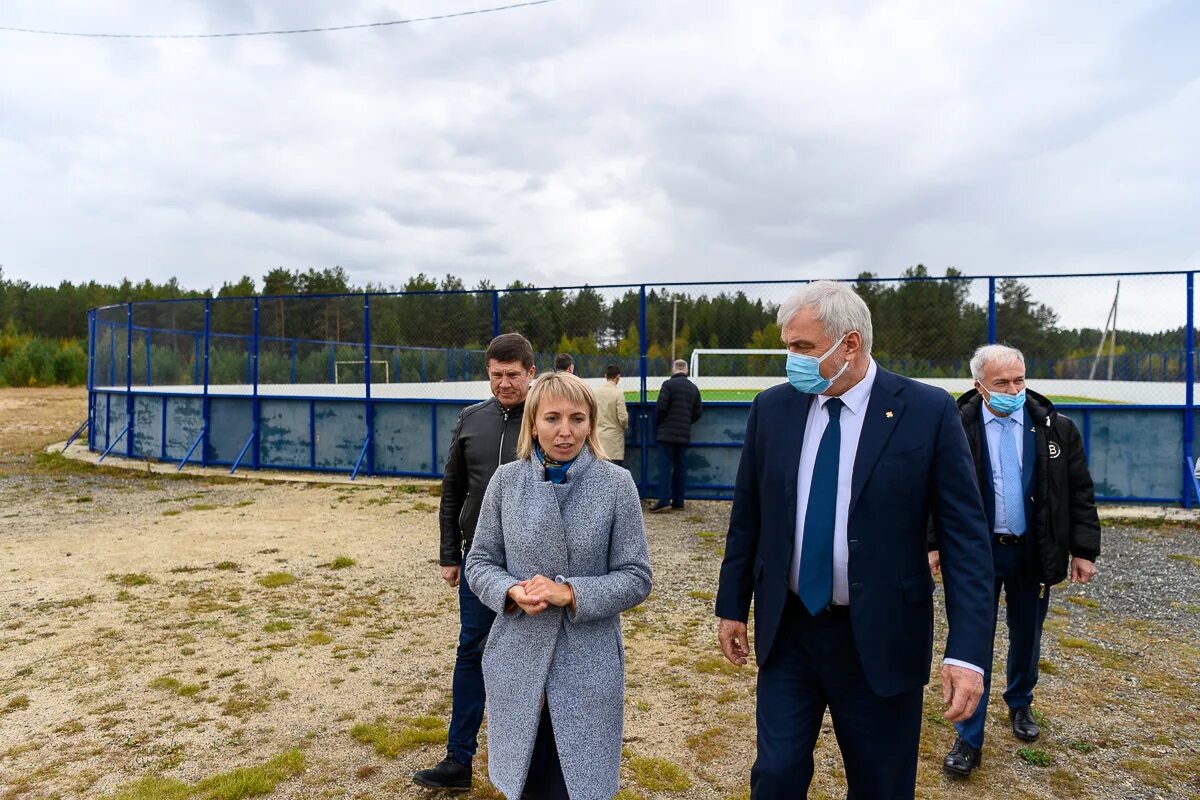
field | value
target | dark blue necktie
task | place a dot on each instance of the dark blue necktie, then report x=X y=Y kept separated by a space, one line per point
x=815 y=585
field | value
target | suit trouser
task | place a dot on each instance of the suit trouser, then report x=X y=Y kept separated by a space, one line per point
x=467 y=695
x=545 y=779
x=1025 y=612
x=672 y=473
x=814 y=664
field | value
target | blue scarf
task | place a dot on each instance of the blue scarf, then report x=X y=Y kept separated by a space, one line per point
x=556 y=472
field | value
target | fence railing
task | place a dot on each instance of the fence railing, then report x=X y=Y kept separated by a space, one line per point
x=1088 y=339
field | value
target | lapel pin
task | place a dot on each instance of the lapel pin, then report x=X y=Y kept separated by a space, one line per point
x=888 y=414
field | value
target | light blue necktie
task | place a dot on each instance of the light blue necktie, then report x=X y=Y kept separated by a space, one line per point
x=815 y=584
x=1010 y=473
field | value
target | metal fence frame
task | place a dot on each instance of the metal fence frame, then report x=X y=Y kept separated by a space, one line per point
x=641 y=411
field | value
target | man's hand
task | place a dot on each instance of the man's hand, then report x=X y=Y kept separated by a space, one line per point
x=961 y=690
x=539 y=587
x=532 y=607
x=935 y=562
x=734 y=643
x=450 y=575
x=1082 y=570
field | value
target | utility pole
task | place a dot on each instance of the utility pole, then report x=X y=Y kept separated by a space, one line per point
x=674 y=314
x=1110 y=320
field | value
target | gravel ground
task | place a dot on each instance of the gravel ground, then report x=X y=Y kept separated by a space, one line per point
x=143 y=637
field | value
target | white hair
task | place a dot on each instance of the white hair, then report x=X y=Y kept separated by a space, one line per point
x=994 y=354
x=837 y=305
x=679 y=365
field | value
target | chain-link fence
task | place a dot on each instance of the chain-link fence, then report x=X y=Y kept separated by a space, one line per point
x=1091 y=343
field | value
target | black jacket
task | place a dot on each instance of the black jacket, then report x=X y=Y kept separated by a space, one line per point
x=1061 y=509
x=484 y=438
x=677 y=408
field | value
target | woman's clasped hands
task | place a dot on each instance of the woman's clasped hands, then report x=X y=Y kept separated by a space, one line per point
x=533 y=596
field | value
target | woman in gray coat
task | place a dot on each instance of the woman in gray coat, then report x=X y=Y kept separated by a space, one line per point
x=559 y=553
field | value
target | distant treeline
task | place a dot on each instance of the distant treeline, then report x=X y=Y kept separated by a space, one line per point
x=929 y=326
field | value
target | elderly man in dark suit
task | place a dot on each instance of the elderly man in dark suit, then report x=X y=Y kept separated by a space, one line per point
x=840 y=473
x=1041 y=509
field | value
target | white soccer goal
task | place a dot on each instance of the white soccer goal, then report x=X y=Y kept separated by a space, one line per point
x=694 y=369
x=357 y=374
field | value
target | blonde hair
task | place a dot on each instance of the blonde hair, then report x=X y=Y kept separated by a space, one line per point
x=559 y=386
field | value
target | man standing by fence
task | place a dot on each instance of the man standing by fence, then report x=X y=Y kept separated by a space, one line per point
x=1041 y=509
x=677 y=409
x=484 y=438
x=612 y=417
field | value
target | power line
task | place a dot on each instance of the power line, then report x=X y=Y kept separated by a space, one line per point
x=388 y=23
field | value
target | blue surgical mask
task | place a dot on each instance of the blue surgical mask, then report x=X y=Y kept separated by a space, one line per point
x=804 y=372
x=1005 y=403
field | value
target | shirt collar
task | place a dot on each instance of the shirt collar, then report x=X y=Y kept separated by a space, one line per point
x=1017 y=416
x=857 y=396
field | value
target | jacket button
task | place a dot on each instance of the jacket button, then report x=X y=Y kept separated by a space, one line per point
x=856 y=586
x=559 y=579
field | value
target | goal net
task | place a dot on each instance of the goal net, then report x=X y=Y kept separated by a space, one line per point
x=355 y=372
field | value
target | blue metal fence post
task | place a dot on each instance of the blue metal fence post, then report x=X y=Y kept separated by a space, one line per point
x=1189 y=377
x=91 y=379
x=129 y=377
x=112 y=354
x=992 y=310
x=643 y=415
x=370 y=407
x=495 y=313
x=255 y=403
x=205 y=403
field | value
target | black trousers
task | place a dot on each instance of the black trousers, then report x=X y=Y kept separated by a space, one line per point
x=545 y=780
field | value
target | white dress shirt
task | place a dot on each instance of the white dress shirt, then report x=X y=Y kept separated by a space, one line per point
x=994 y=429
x=854 y=410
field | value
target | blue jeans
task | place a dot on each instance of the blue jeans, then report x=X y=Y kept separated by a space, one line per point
x=1025 y=612
x=672 y=473
x=467 y=697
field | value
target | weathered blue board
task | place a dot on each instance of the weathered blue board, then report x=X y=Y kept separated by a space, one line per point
x=1135 y=453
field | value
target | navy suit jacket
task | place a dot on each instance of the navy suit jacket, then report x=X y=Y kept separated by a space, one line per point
x=912 y=462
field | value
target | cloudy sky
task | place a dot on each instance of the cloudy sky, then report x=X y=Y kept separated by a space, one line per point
x=599 y=140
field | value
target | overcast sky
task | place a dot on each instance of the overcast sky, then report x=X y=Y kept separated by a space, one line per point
x=602 y=141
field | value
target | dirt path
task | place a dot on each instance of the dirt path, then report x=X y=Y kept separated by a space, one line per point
x=160 y=632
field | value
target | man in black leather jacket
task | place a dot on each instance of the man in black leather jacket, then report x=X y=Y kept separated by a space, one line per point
x=1043 y=532
x=484 y=438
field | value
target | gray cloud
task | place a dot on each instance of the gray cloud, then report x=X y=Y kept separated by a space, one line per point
x=617 y=141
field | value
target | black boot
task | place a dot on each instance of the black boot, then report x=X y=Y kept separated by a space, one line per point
x=962 y=758
x=448 y=774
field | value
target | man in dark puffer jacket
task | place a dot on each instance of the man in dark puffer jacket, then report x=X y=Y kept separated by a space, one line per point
x=1044 y=524
x=677 y=408
x=484 y=438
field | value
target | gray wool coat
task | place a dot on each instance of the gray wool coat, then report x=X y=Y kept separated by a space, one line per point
x=588 y=530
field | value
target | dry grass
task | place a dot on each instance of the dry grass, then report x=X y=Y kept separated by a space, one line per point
x=183 y=676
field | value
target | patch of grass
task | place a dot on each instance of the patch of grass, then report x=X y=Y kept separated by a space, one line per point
x=419 y=506
x=152 y=788
x=87 y=498
x=1047 y=667
x=203 y=507
x=701 y=595
x=1187 y=559
x=1081 y=746
x=1034 y=757
x=278 y=626
x=185 y=570
x=234 y=785
x=226 y=565
x=175 y=686
x=276 y=579
x=318 y=638
x=341 y=562
x=658 y=774
x=18 y=703
x=708 y=745
x=711 y=664
x=131 y=579
x=172 y=512
x=390 y=741
x=1086 y=602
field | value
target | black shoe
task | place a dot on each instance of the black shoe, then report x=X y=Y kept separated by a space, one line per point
x=660 y=508
x=962 y=758
x=448 y=774
x=1023 y=725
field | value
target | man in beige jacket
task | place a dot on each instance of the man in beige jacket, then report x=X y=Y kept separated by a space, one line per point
x=612 y=418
